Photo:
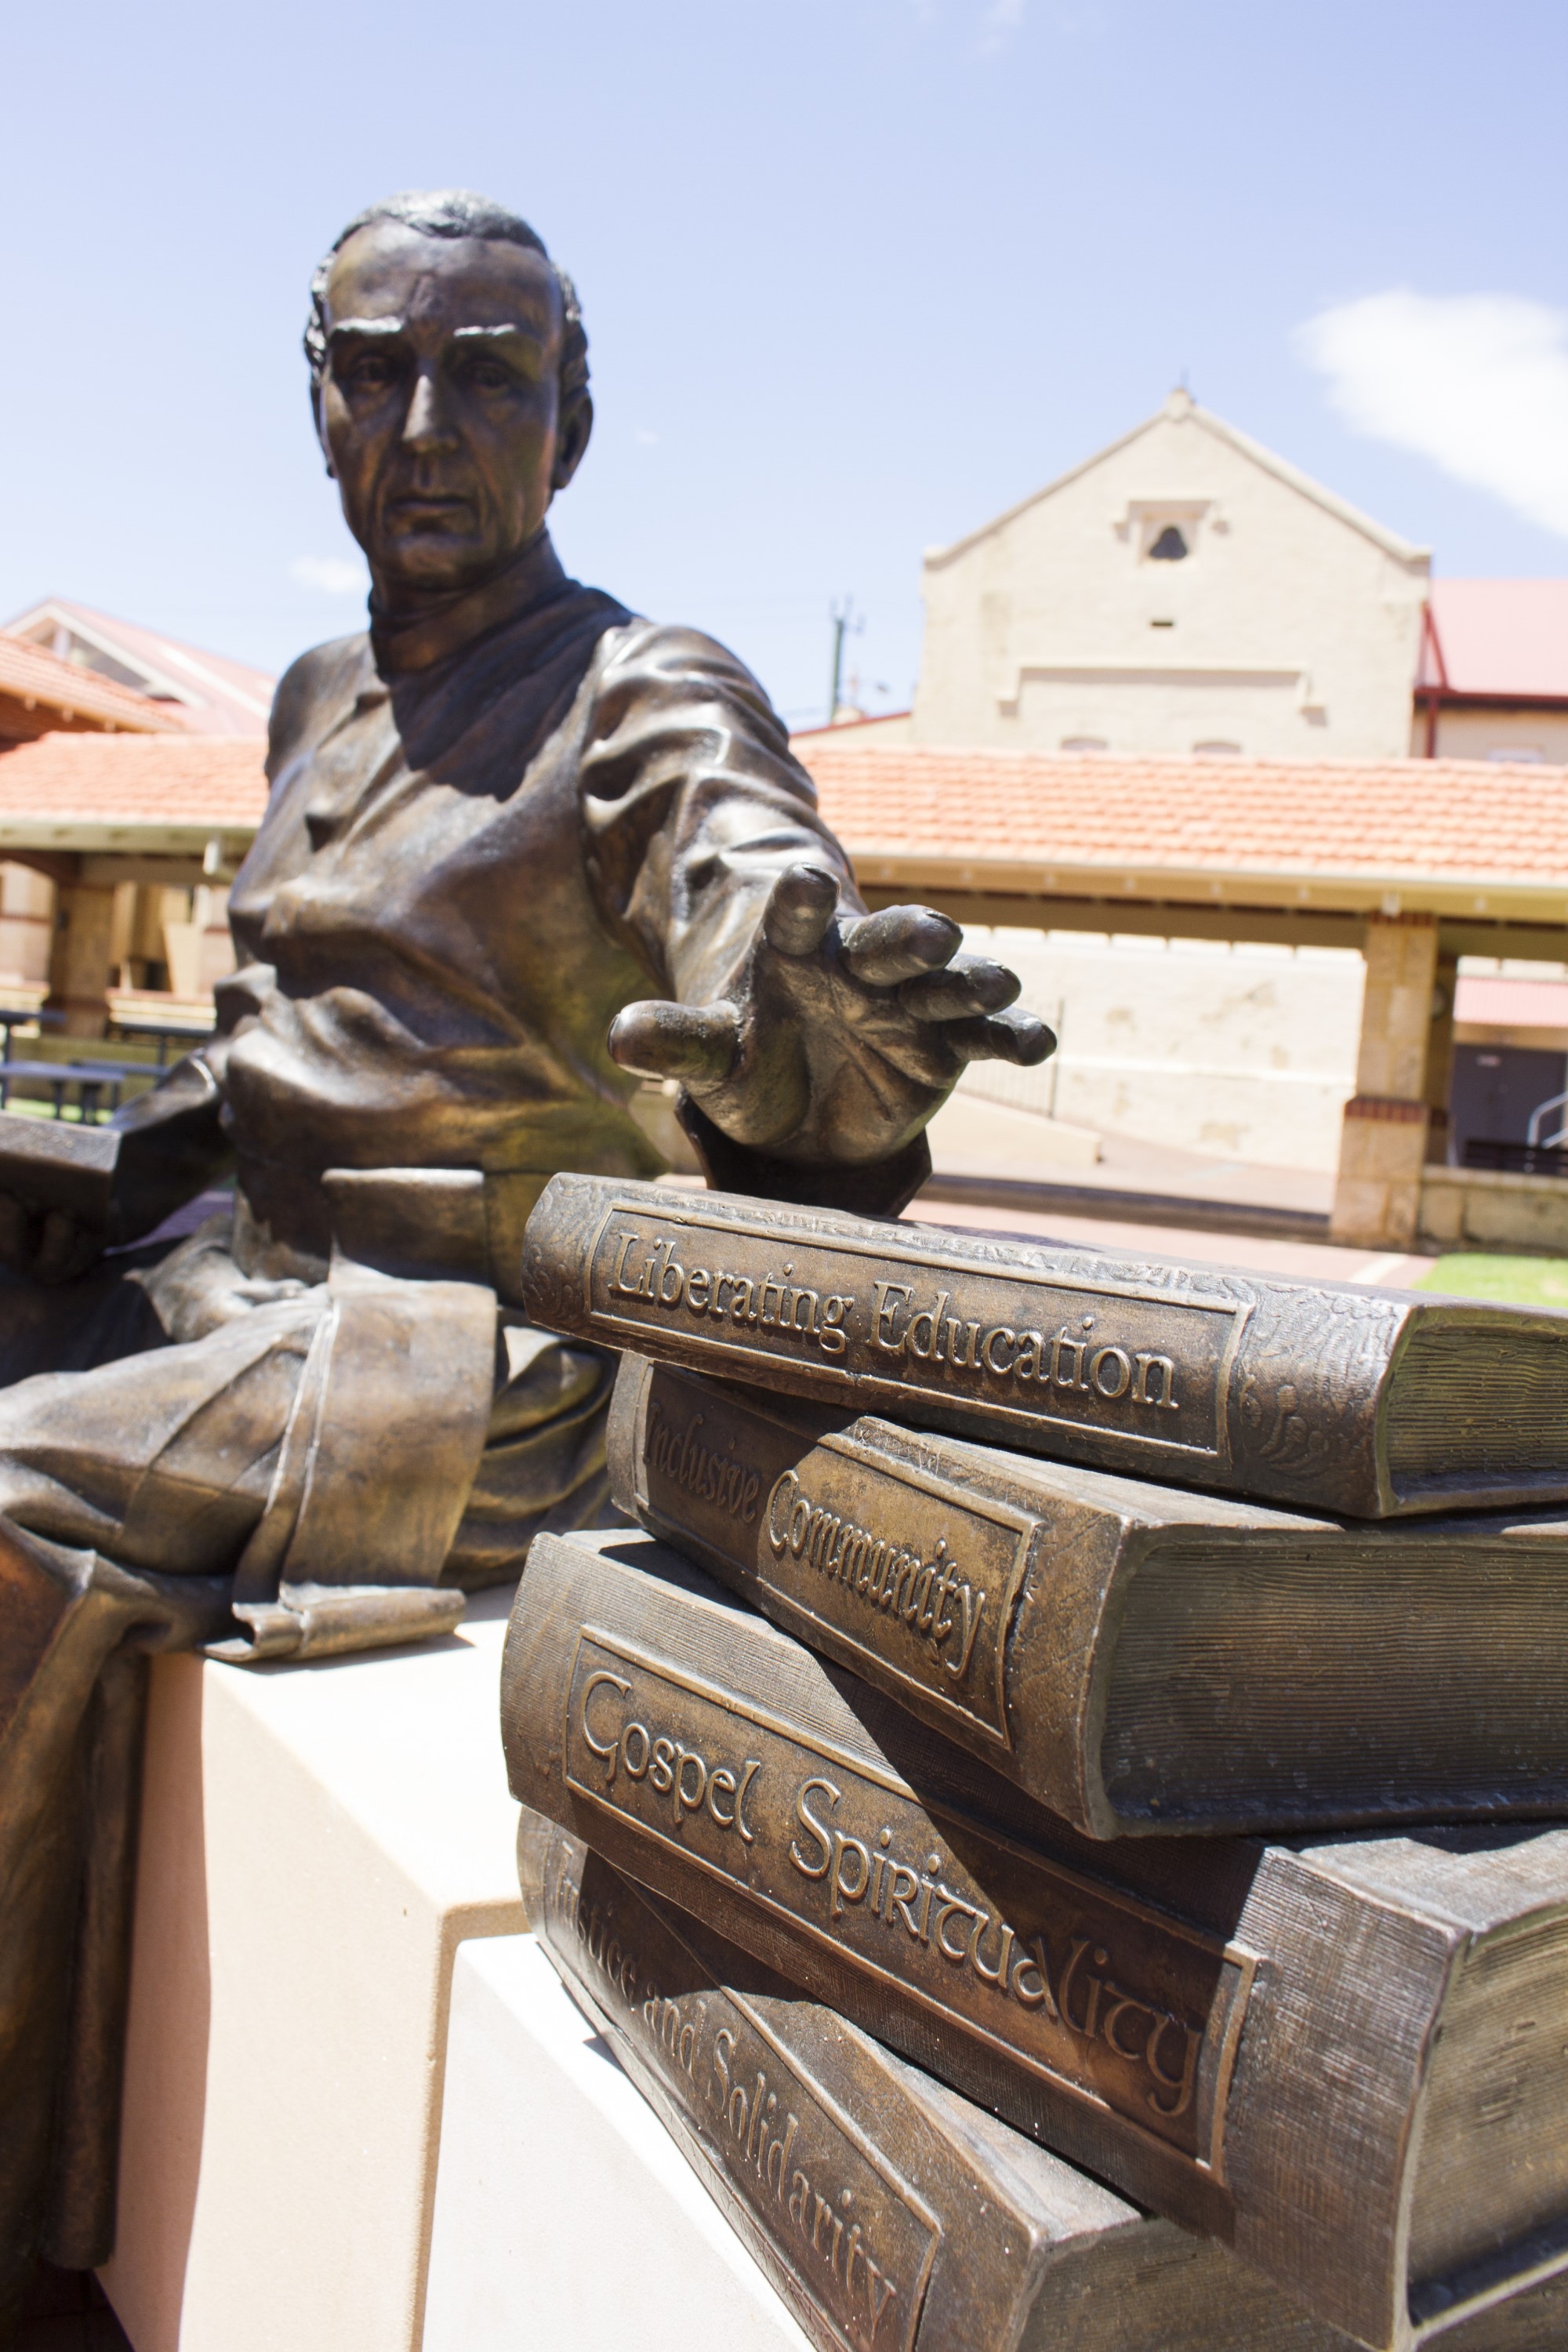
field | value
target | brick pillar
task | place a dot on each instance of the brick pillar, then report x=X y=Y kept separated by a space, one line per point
x=1382 y=1148
x=79 y=967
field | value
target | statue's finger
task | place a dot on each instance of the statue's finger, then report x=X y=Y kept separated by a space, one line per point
x=900 y=942
x=969 y=984
x=694 y=1043
x=801 y=905
x=1015 y=1037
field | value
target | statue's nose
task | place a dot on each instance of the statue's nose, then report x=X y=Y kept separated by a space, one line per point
x=428 y=424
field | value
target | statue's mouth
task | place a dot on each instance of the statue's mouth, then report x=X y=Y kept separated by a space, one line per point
x=423 y=512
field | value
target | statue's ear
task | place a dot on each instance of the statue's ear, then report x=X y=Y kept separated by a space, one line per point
x=572 y=437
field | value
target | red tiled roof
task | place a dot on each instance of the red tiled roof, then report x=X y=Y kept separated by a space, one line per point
x=1421 y=819
x=995 y=821
x=204 y=780
x=34 y=676
x=217 y=696
x=1499 y=637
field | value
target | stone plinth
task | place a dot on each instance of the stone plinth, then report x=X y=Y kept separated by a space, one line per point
x=316 y=1842
x=564 y=2212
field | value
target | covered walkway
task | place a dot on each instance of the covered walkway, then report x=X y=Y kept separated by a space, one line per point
x=1414 y=863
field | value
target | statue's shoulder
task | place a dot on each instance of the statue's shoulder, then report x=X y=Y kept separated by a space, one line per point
x=669 y=648
x=677 y=665
x=311 y=693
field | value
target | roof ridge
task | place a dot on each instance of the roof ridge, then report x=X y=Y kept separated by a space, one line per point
x=1392 y=542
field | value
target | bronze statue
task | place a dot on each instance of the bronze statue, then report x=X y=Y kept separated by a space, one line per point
x=521 y=846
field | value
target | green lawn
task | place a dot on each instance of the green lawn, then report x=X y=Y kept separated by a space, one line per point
x=1517 y=1281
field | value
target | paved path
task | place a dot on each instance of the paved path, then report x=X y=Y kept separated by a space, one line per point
x=1311 y=1261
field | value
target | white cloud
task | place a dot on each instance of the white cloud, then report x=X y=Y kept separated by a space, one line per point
x=330 y=575
x=1477 y=383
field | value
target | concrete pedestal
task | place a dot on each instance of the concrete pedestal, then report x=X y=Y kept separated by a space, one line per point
x=564 y=2212
x=316 y=1842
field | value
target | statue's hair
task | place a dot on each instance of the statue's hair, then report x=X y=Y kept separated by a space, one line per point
x=450 y=212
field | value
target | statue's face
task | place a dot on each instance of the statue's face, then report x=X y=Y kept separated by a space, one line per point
x=440 y=406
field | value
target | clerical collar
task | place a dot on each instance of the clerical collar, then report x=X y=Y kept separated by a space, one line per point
x=418 y=643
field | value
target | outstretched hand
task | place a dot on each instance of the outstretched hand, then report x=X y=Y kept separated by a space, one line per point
x=840 y=1037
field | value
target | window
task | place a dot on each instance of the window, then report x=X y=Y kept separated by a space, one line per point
x=1084 y=744
x=1217 y=748
x=1531 y=754
x=1168 y=530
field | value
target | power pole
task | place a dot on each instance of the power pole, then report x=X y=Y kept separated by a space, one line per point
x=843 y=621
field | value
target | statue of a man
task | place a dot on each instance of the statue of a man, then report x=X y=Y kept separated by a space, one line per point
x=521 y=848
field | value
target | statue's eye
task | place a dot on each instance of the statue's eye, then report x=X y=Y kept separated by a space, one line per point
x=488 y=375
x=371 y=371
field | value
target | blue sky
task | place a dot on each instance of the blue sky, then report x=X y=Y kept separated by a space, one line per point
x=856 y=274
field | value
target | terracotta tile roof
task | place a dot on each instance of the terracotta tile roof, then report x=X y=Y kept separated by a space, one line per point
x=1434 y=820
x=29 y=673
x=1500 y=637
x=994 y=821
x=205 y=781
x=217 y=696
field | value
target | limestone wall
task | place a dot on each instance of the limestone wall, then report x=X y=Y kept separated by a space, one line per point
x=1245 y=1052
x=1290 y=629
x=1472 y=733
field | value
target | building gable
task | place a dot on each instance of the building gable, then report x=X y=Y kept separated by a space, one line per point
x=1183 y=589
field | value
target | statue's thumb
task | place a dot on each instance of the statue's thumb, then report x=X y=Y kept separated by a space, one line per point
x=801 y=905
x=696 y=1044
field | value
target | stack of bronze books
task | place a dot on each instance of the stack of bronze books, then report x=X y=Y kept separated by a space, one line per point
x=1054 y=1809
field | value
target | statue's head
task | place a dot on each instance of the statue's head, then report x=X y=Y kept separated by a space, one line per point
x=449 y=380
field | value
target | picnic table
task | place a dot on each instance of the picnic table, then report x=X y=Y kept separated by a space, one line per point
x=13 y=1020
x=91 y=1079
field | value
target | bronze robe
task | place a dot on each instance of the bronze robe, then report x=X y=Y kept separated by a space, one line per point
x=299 y=1428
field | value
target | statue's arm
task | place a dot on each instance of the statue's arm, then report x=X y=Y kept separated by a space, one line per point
x=812 y=1042
x=694 y=806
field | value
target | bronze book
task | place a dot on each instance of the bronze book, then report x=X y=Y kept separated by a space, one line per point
x=890 y=2214
x=1368 y=1403
x=55 y=1163
x=1139 y=1658
x=1348 y=2061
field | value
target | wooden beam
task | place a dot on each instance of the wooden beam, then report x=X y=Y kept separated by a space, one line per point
x=1528 y=939
x=157 y=873
x=1146 y=917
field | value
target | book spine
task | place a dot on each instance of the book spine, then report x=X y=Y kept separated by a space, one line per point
x=791 y=2118
x=1257 y=2078
x=1091 y=2020
x=806 y=2133
x=1119 y=1372
x=905 y=1569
